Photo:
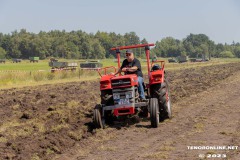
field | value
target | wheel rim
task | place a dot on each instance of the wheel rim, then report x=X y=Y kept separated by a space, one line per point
x=154 y=113
x=169 y=106
x=158 y=114
x=98 y=119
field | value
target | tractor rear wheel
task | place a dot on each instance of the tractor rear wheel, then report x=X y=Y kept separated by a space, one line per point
x=165 y=101
x=169 y=104
x=154 y=112
x=97 y=118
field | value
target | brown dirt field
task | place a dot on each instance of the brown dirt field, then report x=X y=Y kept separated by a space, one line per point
x=54 y=121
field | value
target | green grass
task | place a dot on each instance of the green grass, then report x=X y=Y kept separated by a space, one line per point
x=30 y=74
x=42 y=65
x=21 y=79
x=24 y=66
x=109 y=62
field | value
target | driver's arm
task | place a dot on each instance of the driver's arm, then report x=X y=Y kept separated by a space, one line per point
x=132 y=69
x=119 y=71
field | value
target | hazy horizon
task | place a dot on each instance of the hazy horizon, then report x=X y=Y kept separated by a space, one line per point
x=218 y=19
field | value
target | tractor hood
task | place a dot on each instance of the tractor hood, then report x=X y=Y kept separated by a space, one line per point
x=124 y=81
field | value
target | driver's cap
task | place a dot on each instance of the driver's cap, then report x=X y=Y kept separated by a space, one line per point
x=129 y=51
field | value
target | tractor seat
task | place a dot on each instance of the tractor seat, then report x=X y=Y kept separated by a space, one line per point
x=156 y=67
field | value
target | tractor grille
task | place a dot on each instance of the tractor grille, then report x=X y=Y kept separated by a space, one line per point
x=121 y=82
x=124 y=95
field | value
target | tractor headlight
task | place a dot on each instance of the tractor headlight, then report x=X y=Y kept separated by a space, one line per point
x=116 y=96
x=104 y=84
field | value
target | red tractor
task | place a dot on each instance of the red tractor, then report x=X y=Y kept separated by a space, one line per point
x=120 y=97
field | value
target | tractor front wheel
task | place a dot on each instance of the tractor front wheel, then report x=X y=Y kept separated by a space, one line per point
x=97 y=118
x=154 y=112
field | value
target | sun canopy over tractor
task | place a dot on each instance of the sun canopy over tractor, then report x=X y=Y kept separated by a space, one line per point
x=146 y=46
x=132 y=46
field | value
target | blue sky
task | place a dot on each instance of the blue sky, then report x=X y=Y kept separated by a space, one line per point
x=150 y=19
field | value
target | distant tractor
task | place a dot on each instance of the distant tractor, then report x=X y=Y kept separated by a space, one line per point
x=198 y=60
x=91 y=65
x=34 y=59
x=182 y=59
x=120 y=98
x=2 y=60
x=62 y=66
x=16 y=60
x=172 y=60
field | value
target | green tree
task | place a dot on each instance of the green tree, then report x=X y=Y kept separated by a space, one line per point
x=97 y=50
x=211 y=49
x=237 y=51
x=168 y=47
x=197 y=44
x=203 y=50
x=14 y=51
x=219 y=49
x=6 y=44
x=2 y=53
x=106 y=41
x=86 y=48
x=226 y=54
x=131 y=38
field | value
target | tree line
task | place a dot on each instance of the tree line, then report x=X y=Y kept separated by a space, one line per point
x=82 y=45
x=195 y=46
x=62 y=44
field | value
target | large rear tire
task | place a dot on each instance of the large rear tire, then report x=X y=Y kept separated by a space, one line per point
x=154 y=112
x=169 y=104
x=97 y=118
x=165 y=101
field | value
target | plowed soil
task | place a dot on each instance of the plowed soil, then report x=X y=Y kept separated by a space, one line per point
x=54 y=121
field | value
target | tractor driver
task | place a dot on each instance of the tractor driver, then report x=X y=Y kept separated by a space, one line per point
x=132 y=65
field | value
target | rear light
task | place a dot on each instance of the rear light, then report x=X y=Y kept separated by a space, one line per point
x=157 y=78
x=124 y=111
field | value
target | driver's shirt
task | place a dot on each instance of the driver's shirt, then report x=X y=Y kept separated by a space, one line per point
x=136 y=63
